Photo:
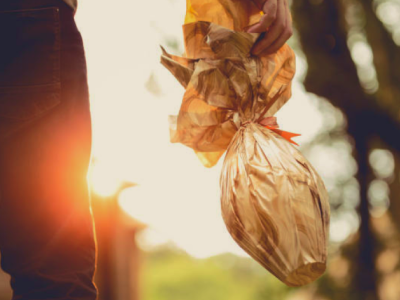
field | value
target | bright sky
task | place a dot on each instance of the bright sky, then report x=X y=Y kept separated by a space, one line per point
x=177 y=196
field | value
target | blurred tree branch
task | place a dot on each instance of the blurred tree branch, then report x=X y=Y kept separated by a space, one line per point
x=332 y=73
x=386 y=60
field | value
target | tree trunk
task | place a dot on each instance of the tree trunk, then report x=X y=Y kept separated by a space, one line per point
x=332 y=74
x=365 y=278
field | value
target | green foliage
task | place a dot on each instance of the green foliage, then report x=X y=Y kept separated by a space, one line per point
x=170 y=274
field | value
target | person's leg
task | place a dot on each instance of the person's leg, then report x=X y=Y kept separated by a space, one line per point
x=46 y=230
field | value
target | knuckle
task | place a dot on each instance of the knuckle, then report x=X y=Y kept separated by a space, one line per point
x=272 y=16
x=272 y=5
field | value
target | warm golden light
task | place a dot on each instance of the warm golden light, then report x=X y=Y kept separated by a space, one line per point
x=131 y=97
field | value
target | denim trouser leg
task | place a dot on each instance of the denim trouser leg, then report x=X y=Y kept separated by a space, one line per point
x=46 y=230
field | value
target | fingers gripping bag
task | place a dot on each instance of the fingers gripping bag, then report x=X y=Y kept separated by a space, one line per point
x=274 y=204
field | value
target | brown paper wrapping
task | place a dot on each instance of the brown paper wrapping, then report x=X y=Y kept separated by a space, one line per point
x=274 y=203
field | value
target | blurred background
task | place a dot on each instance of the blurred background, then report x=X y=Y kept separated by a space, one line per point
x=157 y=211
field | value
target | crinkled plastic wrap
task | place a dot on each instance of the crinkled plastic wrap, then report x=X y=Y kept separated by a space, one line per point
x=274 y=203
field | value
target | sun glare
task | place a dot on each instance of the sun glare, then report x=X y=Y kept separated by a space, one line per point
x=103 y=179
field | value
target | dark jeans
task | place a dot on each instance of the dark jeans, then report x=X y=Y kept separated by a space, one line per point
x=46 y=229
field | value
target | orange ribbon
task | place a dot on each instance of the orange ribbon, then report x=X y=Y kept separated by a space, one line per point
x=270 y=123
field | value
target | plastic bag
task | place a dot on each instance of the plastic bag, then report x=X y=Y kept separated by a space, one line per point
x=274 y=204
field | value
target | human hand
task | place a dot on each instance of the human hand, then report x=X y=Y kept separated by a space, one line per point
x=275 y=25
